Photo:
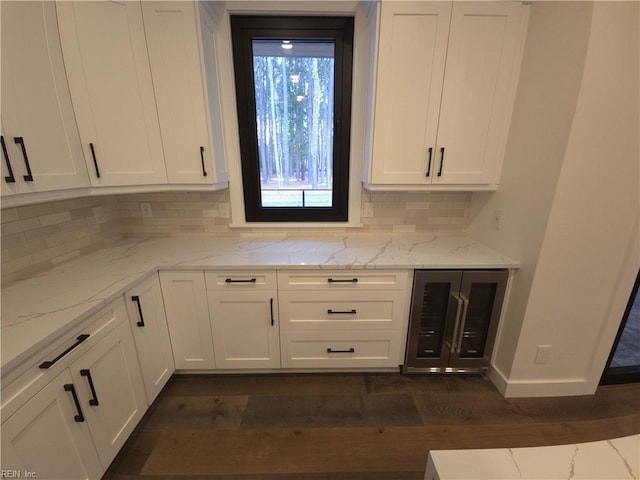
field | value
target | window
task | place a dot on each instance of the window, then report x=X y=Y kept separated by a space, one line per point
x=293 y=89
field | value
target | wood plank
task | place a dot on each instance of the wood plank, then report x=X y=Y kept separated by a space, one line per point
x=267 y=384
x=309 y=411
x=175 y=412
x=362 y=449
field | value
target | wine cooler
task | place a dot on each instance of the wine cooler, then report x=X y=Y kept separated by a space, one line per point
x=454 y=318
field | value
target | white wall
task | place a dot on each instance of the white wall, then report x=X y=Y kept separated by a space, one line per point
x=550 y=77
x=571 y=294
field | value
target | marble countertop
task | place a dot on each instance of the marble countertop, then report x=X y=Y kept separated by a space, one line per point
x=50 y=303
x=617 y=458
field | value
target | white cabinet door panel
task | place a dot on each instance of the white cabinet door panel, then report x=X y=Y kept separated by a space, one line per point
x=172 y=39
x=478 y=90
x=36 y=104
x=411 y=62
x=107 y=65
x=113 y=369
x=151 y=335
x=185 y=302
x=245 y=329
x=45 y=437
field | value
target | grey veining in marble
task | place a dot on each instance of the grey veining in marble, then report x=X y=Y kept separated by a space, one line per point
x=44 y=305
x=617 y=458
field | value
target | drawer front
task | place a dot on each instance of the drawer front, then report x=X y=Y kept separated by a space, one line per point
x=340 y=349
x=241 y=280
x=343 y=280
x=342 y=310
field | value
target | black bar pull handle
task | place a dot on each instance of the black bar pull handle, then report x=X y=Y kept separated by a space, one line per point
x=20 y=141
x=50 y=363
x=248 y=280
x=271 y=310
x=9 y=178
x=341 y=280
x=342 y=312
x=95 y=161
x=429 y=164
x=331 y=350
x=86 y=373
x=441 y=161
x=136 y=298
x=204 y=171
x=68 y=387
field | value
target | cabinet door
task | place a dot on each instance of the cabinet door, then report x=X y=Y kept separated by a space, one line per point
x=245 y=329
x=105 y=54
x=151 y=335
x=36 y=105
x=110 y=390
x=185 y=302
x=434 y=311
x=482 y=295
x=46 y=437
x=411 y=62
x=172 y=39
x=483 y=61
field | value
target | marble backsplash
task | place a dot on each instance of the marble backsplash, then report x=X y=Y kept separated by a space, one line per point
x=37 y=237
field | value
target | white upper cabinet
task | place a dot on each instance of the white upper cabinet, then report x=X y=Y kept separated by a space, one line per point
x=179 y=58
x=105 y=54
x=445 y=84
x=41 y=147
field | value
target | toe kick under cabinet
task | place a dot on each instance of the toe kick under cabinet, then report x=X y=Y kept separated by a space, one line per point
x=342 y=318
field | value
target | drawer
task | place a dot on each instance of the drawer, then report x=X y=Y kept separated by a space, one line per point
x=340 y=349
x=241 y=280
x=343 y=280
x=342 y=310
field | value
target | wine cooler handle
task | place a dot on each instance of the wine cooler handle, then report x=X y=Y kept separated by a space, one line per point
x=463 y=321
x=456 y=324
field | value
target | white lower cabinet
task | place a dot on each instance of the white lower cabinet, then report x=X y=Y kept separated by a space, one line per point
x=75 y=424
x=46 y=436
x=185 y=302
x=109 y=385
x=149 y=325
x=244 y=319
x=342 y=319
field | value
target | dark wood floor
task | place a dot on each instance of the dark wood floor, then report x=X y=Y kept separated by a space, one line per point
x=349 y=426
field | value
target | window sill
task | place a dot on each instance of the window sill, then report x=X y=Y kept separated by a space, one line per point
x=297 y=225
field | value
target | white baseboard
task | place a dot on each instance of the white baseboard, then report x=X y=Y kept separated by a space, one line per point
x=538 y=388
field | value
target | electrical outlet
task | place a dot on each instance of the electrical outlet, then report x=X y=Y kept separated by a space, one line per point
x=542 y=354
x=367 y=209
x=497 y=219
x=223 y=210
x=146 y=210
x=98 y=215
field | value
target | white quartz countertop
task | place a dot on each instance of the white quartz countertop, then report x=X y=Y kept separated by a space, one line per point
x=617 y=458
x=48 y=304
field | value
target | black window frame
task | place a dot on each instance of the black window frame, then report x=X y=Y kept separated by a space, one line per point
x=246 y=28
